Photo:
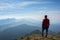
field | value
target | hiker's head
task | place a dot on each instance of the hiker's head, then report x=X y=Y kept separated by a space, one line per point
x=45 y=16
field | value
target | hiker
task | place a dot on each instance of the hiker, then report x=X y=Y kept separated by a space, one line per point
x=45 y=26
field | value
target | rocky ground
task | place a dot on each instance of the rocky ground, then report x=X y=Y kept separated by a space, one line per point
x=39 y=37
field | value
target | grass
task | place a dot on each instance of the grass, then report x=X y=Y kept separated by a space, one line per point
x=38 y=37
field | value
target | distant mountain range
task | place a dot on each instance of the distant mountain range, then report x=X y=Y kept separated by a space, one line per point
x=15 y=32
x=11 y=29
x=12 y=22
x=19 y=31
x=20 y=21
x=8 y=23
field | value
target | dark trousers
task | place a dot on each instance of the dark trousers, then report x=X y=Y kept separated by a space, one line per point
x=43 y=32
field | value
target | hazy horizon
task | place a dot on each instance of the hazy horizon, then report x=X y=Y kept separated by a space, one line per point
x=30 y=9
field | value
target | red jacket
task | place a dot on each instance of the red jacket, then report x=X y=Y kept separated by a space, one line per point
x=45 y=23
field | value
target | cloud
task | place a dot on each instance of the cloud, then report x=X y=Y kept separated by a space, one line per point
x=17 y=5
x=20 y=17
x=6 y=6
x=52 y=17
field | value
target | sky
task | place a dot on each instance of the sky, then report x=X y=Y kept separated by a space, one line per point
x=30 y=9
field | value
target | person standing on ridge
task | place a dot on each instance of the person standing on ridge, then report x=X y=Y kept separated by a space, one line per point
x=45 y=26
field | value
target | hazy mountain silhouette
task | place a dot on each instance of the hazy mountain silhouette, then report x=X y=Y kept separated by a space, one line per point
x=8 y=23
x=33 y=32
x=15 y=32
x=36 y=32
x=19 y=31
x=18 y=28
